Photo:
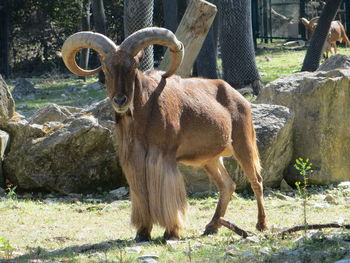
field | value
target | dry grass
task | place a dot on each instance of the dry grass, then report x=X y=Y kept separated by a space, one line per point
x=76 y=230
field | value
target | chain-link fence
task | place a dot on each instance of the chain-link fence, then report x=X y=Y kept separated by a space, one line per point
x=237 y=49
x=138 y=14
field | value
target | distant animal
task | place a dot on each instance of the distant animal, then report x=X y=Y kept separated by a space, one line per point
x=162 y=120
x=336 y=33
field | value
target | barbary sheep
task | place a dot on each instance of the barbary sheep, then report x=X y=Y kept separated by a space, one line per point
x=163 y=119
x=336 y=33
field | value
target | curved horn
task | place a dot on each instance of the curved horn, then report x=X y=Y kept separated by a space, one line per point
x=98 y=42
x=155 y=35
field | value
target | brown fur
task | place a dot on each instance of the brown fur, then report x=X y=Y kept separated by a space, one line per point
x=336 y=33
x=164 y=121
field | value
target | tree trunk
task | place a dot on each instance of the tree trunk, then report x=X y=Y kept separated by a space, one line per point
x=206 y=63
x=314 y=52
x=98 y=12
x=4 y=38
x=237 y=46
x=85 y=26
x=170 y=14
x=192 y=31
x=138 y=14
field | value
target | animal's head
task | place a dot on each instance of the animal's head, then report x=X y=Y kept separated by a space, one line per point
x=119 y=63
x=309 y=26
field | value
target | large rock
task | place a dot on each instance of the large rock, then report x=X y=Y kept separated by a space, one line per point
x=4 y=138
x=337 y=61
x=7 y=105
x=52 y=113
x=321 y=102
x=24 y=89
x=75 y=155
x=273 y=125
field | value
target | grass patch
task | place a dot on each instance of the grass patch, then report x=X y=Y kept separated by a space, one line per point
x=274 y=62
x=66 y=92
x=89 y=229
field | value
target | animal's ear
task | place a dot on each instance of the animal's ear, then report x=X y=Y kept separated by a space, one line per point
x=139 y=56
x=305 y=21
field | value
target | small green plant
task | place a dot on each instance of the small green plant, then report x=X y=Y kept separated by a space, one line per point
x=304 y=168
x=189 y=254
x=6 y=248
x=11 y=194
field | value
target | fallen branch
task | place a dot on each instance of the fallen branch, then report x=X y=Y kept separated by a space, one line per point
x=233 y=227
x=311 y=227
x=244 y=234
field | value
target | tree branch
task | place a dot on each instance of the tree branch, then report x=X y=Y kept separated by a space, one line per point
x=310 y=227
x=233 y=227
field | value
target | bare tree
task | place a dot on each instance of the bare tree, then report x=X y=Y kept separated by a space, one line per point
x=314 y=52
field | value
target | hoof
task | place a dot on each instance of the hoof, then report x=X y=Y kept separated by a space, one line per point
x=209 y=231
x=261 y=226
x=170 y=236
x=142 y=238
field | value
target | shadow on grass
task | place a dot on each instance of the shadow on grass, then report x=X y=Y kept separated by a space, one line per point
x=40 y=253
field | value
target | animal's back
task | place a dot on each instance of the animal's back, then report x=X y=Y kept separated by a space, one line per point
x=198 y=115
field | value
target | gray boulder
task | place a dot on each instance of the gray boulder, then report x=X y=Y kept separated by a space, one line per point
x=23 y=89
x=7 y=105
x=321 y=128
x=337 y=61
x=4 y=139
x=94 y=86
x=76 y=155
x=273 y=126
x=52 y=113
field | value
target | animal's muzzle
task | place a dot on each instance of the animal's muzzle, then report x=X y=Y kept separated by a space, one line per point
x=121 y=100
x=120 y=103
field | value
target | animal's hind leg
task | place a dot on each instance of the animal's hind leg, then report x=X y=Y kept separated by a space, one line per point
x=247 y=156
x=218 y=174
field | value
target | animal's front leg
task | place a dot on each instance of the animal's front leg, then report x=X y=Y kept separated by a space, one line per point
x=172 y=234
x=143 y=234
x=140 y=216
x=133 y=164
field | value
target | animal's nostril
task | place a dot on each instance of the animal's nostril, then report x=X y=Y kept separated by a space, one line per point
x=121 y=100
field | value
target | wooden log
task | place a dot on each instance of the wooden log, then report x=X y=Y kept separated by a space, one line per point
x=192 y=30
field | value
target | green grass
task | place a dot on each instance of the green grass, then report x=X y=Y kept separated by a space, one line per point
x=51 y=90
x=75 y=229
x=275 y=62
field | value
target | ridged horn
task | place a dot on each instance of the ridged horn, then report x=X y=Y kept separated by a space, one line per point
x=85 y=39
x=159 y=36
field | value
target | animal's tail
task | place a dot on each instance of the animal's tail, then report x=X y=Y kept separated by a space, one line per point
x=346 y=39
x=256 y=156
